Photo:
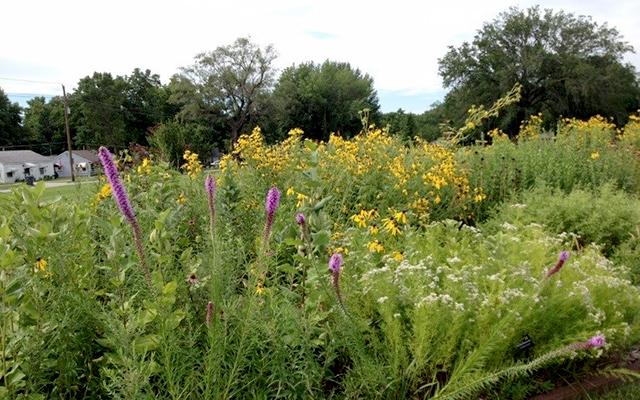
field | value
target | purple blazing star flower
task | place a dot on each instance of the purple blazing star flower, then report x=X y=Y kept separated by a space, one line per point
x=271 y=205
x=564 y=256
x=272 y=201
x=335 y=267
x=119 y=192
x=335 y=263
x=122 y=200
x=300 y=220
x=596 y=341
x=210 y=188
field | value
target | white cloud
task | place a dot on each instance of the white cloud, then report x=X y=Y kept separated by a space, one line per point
x=398 y=42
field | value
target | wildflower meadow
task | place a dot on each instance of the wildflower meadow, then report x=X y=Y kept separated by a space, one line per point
x=369 y=267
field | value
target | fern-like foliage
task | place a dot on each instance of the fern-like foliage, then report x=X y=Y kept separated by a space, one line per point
x=471 y=385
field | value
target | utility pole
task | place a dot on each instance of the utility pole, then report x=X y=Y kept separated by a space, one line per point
x=66 y=127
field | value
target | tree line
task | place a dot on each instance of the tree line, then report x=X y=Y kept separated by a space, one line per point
x=568 y=66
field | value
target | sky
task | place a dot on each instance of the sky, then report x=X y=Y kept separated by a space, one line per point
x=397 y=42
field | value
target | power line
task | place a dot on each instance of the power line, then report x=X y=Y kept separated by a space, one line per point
x=28 y=80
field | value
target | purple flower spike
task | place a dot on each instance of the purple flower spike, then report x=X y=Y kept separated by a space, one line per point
x=119 y=192
x=564 y=256
x=597 y=341
x=335 y=266
x=122 y=200
x=272 y=202
x=335 y=263
x=270 y=205
x=300 y=220
x=210 y=188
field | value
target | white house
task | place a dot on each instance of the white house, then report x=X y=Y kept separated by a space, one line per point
x=84 y=162
x=16 y=165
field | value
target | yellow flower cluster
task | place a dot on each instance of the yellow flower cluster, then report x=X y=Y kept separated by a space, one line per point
x=631 y=131
x=252 y=151
x=192 y=165
x=596 y=131
x=105 y=191
x=301 y=198
x=373 y=167
x=145 y=167
x=531 y=128
x=363 y=217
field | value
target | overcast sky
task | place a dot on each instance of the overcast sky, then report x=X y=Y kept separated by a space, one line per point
x=397 y=42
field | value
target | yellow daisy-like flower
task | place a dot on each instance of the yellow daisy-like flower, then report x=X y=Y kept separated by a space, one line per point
x=375 y=246
x=181 y=199
x=397 y=256
x=595 y=155
x=41 y=264
x=389 y=225
x=260 y=289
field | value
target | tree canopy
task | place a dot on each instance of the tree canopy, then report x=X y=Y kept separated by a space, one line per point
x=10 y=121
x=233 y=81
x=567 y=65
x=324 y=98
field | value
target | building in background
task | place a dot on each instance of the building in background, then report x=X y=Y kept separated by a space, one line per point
x=84 y=163
x=18 y=165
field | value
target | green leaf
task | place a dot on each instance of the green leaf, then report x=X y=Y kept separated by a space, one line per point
x=146 y=343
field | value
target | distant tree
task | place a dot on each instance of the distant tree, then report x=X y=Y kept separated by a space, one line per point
x=567 y=65
x=325 y=98
x=145 y=104
x=172 y=138
x=44 y=124
x=400 y=123
x=98 y=111
x=232 y=81
x=11 y=131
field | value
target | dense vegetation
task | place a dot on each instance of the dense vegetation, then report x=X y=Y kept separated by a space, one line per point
x=379 y=269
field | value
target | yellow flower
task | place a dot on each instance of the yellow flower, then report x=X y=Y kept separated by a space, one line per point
x=41 y=264
x=437 y=200
x=192 y=165
x=260 y=289
x=300 y=198
x=290 y=191
x=595 y=155
x=181 y=199
x=397 y=256
x=400 y=216
x=390 y=226
x=375 y=246
x=373 y=229
x=145 y=167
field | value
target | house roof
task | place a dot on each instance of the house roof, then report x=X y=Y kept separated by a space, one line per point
x=21 y=157
x=90 y=155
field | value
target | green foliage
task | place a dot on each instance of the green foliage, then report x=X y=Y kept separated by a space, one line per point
x=324 y=98
x=232 y=80
x=580 y=212
x=568 y=66
x=44 y=122
x=10 y=120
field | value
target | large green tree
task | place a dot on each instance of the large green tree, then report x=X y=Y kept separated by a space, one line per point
x=98 y=111
x=324 y=98
x=145 y=104
x=11 y=131
x=232 y=82
x=568 y=66
x=44 y=123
